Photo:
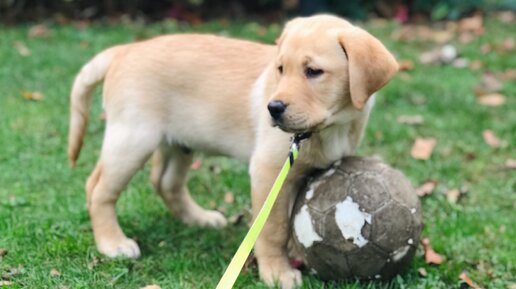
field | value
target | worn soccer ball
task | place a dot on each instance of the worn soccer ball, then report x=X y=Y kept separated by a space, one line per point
x=358 y=219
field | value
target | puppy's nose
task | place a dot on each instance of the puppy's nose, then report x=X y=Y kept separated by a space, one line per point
x=276 y=108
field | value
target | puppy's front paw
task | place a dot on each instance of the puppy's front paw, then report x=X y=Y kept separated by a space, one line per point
x=205 y=218
x=279 y=273
x=120 y=248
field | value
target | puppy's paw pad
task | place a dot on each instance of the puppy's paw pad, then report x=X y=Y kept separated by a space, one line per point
x=124 y=248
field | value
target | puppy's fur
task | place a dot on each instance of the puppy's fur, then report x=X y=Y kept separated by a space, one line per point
x=172 y=95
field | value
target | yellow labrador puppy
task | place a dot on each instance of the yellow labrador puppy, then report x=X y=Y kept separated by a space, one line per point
x=172 y=95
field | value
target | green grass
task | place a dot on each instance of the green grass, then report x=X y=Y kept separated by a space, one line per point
x=43 y=219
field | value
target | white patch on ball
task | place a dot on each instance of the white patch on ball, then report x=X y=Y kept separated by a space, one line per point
x=410 y=241
x=304 y=228
x=313 y=187
x=377 y=276
x=400 y=253
x=329 y=172
x=350 y=221
x=413 y=210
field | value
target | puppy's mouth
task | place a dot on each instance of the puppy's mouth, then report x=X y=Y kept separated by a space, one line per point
x=301 y=129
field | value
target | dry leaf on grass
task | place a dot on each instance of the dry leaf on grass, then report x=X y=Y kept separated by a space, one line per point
x=54 y=272
x=422 y=148
x=410 y=119
x=490 y=138
x=453 y=195
x=422 y=272
x=405 y=65
x=32 y=95
x=3 y=252
x=506 y=17
x=493 y=99
x=13 y=271
x=511 y=286
x=5 y=283
x=426 y=188
x=431 y=257
x=510 y=164
x=22 y=49
x=196 y=165
x=476 y=64
x=509 y=74
x=229 y=198
x=38 y=31
x=488 y=84
x=151 y=287
x=464 y=277
x=474 y=24
x=507 y=45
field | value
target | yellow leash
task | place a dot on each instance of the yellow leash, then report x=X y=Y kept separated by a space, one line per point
x=234 y=268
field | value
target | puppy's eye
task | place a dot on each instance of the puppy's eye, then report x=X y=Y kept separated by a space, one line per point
x=280 y=69
x=312 y=72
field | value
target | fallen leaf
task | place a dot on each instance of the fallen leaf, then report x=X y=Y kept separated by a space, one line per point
x=13 y=271
x=94 y=262
x=3 y=252
x=464 y=277
x=405 y=64
x=510 y=164
x=476 y=64
x=151 y=287
x=422 y=148
x=460 y=63
x=5 y=283
x=38 y=31
x=422 y=272
x=506 y=16
x=511 y=286
x=196 y=165
x=474 y=24
x=488 y=84
x=490 y=138
x=32 y=95
x=509 y=74
x=22 y=49
x=54 y=272
x=507 y=44
x=431 y=257
x=452 y=196
x=426 y=188
x=486 y=48
x=466 y=37
x=229 y=198
x=410 y=119
x=493 y=99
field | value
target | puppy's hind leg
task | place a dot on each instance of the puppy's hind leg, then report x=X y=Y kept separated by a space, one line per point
x=169 y=173
x=124 y=151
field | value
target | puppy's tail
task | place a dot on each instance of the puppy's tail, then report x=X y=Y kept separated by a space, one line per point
x=91 y=74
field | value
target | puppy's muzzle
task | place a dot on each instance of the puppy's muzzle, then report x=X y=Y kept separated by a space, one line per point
x=276 y=109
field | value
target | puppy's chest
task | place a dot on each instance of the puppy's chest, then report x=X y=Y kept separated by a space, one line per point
x=328 y=147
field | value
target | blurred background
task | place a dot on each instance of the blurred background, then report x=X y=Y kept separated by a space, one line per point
x=13 y=11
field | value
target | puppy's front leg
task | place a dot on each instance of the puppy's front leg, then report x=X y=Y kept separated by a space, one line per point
x=271 y=246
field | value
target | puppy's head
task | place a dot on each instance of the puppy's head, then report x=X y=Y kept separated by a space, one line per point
x=324 y=65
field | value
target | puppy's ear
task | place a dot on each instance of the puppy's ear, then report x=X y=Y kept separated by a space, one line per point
x=370 y=64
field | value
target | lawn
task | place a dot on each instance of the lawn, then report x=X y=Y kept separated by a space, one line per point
x=45 y=228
